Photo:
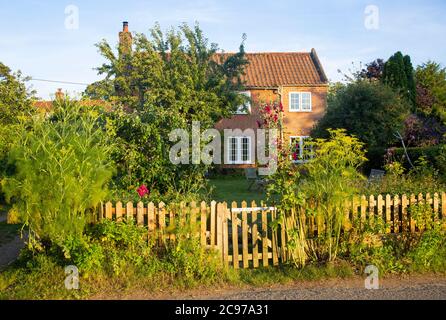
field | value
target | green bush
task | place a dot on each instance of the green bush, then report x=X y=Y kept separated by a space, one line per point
x=405 y=252
x=430 y=252
x=423 y=178
x=329 y=179
x=62 y=169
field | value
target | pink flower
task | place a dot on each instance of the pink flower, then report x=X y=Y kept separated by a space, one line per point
x=281 y=107
x=142 y=190
x=268 y=109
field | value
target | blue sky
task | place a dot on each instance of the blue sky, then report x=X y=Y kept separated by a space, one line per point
x=34 y=38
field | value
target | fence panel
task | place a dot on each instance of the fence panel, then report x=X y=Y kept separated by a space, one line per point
x=245 y=236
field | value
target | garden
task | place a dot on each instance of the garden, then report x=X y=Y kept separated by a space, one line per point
x=59 y=171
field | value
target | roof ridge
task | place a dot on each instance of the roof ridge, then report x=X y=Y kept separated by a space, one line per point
x=269 y=52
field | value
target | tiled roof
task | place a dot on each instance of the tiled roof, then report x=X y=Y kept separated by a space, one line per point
x=45 y=106
x=273 y=69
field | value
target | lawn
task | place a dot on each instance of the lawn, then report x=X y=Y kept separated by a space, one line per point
x=235 y=188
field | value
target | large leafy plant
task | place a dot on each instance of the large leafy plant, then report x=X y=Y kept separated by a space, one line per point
x=317 y=190
x=62 y=170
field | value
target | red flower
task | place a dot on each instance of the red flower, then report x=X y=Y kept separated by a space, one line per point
x=295 y=156
x=281 y=107
x=268 y=109
x=276 y=118
x=142 y=190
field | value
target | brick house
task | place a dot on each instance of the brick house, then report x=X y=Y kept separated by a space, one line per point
x=297 y=80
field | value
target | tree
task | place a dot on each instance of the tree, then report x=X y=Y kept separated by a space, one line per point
x=15 y=108
x=431 y=90
x=371 y=111
x=373 y=70
x=398 y=73
x=165 y=82
x=15 y=98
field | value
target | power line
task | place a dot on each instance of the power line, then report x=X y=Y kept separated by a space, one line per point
x=64 y=82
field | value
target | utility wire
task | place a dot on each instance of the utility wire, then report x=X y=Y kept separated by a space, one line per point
x=64 y=82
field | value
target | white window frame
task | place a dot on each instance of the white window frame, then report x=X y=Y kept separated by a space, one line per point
x=301 y=148
x=244 y=109
x=299 y=107
x=239 y=148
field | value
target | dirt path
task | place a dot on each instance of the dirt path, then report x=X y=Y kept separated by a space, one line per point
x=422 y=287
x=9 y=251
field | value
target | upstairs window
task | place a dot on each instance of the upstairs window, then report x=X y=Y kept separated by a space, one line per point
x=300 y=101
x=246 y=107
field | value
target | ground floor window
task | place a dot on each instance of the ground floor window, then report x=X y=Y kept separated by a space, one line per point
x=239 y=150
x=301 y=150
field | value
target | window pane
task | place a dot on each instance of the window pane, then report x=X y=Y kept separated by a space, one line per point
x=245 y=149
x=232 y=150
x=307 y=148
x=245 y=108
x=306 y=101
x=294 y=101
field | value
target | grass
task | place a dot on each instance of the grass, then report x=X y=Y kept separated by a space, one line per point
x=45 y=279
x=235 y=188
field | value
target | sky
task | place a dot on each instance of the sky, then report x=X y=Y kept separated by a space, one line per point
x=55 y=40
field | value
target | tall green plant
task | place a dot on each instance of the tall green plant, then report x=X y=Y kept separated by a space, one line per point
x=321 y=192
x=331 y=181
x=62 y=169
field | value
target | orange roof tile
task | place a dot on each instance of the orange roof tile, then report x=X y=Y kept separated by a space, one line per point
x=273 y=69
x=46 y=106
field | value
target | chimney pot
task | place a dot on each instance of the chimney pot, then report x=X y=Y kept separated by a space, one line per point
x=125 y=26
x=59 y=94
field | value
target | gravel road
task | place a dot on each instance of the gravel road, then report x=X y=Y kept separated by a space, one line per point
x=414 y=292
x=419 y=287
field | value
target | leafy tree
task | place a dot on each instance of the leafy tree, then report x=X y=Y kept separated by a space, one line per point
x=62 y=171
x=15 y=98
x=15 y=107
x=398 y=73
x=371 y=111
x=373 y=70
x=431 y=90
x=164 y=82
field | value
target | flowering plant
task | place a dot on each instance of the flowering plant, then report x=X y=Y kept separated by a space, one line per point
x=142 y=190
x=271 y=114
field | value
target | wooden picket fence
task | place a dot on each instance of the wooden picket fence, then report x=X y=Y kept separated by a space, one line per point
x=249 y=237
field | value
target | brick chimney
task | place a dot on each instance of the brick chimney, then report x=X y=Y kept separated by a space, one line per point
x=59 y=94
x=125 y=39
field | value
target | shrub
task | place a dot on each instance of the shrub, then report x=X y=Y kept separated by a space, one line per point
x=62 y=168
x=350 y=104
x=430 y=252
x=423 y=178
x=329 y=179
